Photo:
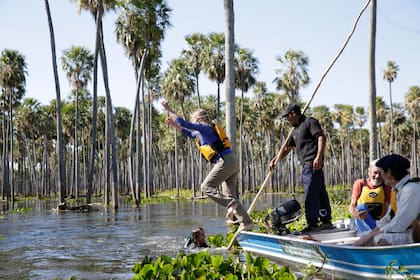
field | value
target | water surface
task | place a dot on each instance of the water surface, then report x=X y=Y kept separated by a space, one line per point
x=104 y=244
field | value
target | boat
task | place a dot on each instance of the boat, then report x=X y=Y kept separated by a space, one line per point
x=332 y=251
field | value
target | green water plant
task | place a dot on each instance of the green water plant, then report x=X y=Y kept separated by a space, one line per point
x=203 y=265
x=216 y=240
x=393 y=269
x=22 y=210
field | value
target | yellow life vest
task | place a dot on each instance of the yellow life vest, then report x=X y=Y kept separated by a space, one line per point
x=394 y=201
x=210 y=150
x=223 y=137
x=374 y=200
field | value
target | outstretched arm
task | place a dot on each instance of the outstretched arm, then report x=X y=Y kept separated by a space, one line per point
x=171 y=122
x=171 y=112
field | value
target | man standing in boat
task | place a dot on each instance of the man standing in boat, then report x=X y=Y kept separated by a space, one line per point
x=309 y=140
x=369 y=200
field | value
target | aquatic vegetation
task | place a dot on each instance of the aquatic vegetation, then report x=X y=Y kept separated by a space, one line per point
x=392 y=270
x=216 y=240
x=22 y=210
x=202 y=265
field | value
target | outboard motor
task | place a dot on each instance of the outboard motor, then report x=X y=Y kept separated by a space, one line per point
x=285 y=213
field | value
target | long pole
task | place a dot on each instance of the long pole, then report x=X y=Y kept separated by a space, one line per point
x=254 y=202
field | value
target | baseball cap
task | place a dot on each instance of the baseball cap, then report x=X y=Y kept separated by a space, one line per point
x=393 y=162
x=293 y=107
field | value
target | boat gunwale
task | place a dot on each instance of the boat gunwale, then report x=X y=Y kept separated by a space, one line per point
x=277 y=254
x=327 y=244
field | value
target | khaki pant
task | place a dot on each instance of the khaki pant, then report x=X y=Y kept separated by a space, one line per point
x=225 y=171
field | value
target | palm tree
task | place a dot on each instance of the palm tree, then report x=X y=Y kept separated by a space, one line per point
x=33 y=140
x=195 y=56
x=343 y=116
x=97 y=8
x=12 y=83
x=360 y=119
x=229 y=70
x=293 y=73
x=60 y=146
x=177 y=84
x=373 y=139
x=77 y=63
x=400 y=125
x=246 y=67
x=140 y=28
x=214 y=64
x=380 y=116
x=323 y=114
x=266 y=110
x=390 y=74
x=412 y=105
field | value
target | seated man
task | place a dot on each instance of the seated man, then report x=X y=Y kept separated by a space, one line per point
x=197 y=239
x=396 y=227
x=369 y=200
x=416 y=230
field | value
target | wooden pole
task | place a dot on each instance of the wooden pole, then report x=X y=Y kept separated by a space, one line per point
x=252 y=206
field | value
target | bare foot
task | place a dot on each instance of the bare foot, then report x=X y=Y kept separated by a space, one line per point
x=232 y=222
x=230 y=211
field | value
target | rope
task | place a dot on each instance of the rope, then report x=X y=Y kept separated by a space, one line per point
x=338 y=54
x=251 y=208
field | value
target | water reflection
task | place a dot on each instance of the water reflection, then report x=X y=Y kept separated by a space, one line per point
x=104 y=244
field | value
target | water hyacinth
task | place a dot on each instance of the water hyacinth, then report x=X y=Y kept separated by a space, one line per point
x=203 y=265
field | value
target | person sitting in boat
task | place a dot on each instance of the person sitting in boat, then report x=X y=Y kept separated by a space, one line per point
x=395 y=227
x=369 y=200
x=416 y=230
x=197 y=239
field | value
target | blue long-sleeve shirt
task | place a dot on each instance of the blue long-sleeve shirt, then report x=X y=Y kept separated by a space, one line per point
x=207 y=134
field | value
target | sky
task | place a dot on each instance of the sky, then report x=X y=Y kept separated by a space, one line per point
x=268 y=28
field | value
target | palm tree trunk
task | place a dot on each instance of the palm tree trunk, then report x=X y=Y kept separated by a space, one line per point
x=5 y=158
x=110 y=115
x=106 y=159
x=373 y=138
x=198 y=90
x=176 y=163
x=230 y=77
x=414 y=145
x=391 y=122
x=76 y=149
x=94 y=107
x=150 y=144
x=135 y=195
x=241 y=171
x=61 y=163
x=12 y=187
x=145 y=155
x=139 y=158
x=362 y=167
